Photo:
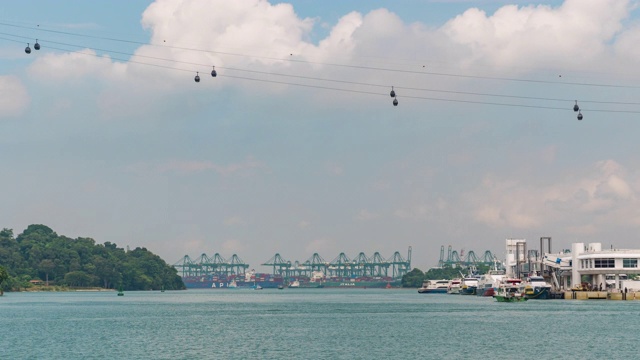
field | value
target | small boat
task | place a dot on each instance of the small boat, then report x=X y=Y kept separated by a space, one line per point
x=280 y=287
x=509 y=293
x=510 y=298
x=295 y=284
x=257 y=287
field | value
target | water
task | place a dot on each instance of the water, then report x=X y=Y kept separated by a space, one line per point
x=310 y=324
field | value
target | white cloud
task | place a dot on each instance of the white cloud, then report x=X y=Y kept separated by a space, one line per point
x=335 y=169
x=321 y=245
x=576 y=32
x=193 y=166
x=234 y=221
x=303 y=224
x=599 y=198
x=233 y=246
x=14 y=97
x=366 y=215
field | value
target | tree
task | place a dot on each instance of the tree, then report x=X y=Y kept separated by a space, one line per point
x=39 y=252
x=414 y=278
x=4 y=275
x=46 y=266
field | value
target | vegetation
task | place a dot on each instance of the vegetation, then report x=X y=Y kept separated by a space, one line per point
x=4 y=275
x=413 y=278
x=416 y=277
x=41 y=254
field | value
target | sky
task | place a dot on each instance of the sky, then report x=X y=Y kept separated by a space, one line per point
x=296 y=148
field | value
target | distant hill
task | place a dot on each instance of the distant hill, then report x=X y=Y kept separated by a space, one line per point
x=38 y=253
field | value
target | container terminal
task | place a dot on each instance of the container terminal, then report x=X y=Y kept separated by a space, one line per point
x=361 y=271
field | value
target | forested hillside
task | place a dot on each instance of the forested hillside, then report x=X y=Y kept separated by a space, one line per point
x=39 y=253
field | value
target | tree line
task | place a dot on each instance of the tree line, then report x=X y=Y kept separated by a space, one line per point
x=416 y=277
x=38 y=253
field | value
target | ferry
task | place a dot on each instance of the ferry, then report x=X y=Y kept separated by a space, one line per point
x=489 y=282
x=469 y=285
x=535 y=287
x=434 y=287
x=454 y=287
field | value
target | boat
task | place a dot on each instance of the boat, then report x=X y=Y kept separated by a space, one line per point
x=535 y=287
x=489 y=282
x=280 y=287
x=469 y=285
x=378 y=282
x=434 y=287
x=454 y=287
x=295 y=284
x=227 y=281
x=120 y=291
x=508 y=292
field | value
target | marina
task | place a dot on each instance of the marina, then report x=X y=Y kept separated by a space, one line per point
x=536 y=273
x=584 y=272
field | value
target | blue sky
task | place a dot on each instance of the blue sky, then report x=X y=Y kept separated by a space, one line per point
x=295 y=147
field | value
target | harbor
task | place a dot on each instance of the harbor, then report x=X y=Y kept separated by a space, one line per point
x=361 y=271
x=583 y=272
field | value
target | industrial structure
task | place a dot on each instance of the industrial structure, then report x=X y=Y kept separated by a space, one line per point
x=463 y=259
x=341 y=266
x=205 y=265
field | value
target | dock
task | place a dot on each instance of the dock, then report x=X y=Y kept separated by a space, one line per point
x=601 y=295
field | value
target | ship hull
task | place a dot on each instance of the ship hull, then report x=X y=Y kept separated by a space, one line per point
x=538 y=293
x=232 y=282
x=361 y=284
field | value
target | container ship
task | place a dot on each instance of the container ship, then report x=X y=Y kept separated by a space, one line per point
x=319 y=280
x=230 y=281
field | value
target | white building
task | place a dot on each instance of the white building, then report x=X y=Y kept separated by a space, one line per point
x=570 y=268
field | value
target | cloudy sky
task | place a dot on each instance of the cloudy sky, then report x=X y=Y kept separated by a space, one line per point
x=296 y=148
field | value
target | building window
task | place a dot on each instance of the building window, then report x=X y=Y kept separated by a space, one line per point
x=630 y=263
x=604 y=263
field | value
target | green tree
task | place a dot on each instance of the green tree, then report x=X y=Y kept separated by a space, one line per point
x=46 y=266
x=77 y=278
x=4 y=275
x=413 y=278
x=38 y=252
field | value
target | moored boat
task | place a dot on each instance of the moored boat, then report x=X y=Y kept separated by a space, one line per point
x=489 y=282
x=434 y=287
x=535 y=287
x=454 y=287
x=469 y=285
x=233 y=281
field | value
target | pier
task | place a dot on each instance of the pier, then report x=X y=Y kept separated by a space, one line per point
x=601 y=295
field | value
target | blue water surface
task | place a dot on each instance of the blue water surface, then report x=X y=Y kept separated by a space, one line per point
x=311 y=324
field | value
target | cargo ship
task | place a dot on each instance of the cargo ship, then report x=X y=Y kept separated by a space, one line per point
x=318 y=279
x=361 y=282
x=231 y=281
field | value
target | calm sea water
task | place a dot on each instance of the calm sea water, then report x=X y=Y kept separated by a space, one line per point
x=311 y=324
